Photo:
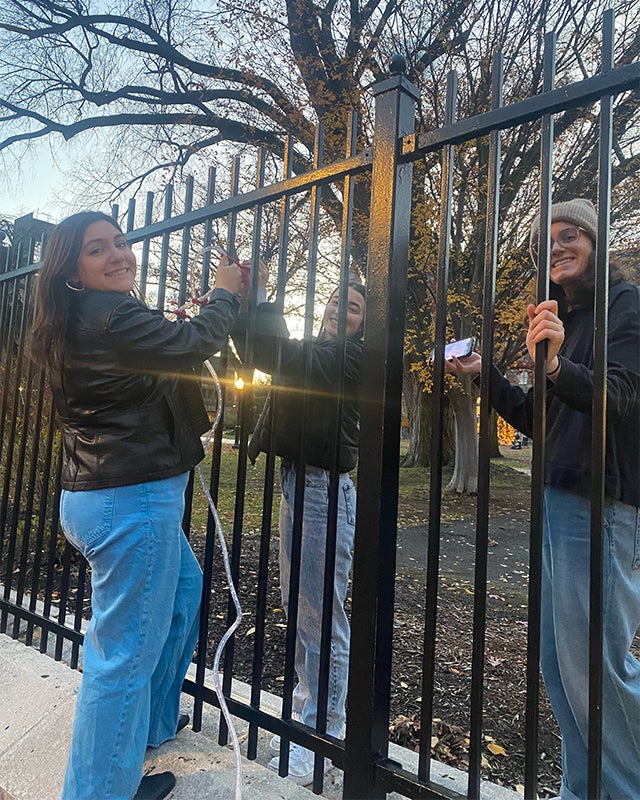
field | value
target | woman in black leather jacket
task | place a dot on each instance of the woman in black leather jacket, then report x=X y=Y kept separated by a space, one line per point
x=124 y=384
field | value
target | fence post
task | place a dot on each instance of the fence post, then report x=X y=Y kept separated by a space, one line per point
x=376 y=514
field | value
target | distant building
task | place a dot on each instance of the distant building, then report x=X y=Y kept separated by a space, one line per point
x=30 y=232
x=26 y=245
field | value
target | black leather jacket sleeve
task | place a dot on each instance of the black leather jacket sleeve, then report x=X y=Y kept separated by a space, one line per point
x=140 y=335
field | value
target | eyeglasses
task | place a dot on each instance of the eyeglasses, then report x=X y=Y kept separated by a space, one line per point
x=567 y=236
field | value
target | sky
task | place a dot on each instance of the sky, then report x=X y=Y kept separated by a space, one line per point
x=33 y=183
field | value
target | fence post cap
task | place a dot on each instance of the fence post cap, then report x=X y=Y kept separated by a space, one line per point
x=398 y=64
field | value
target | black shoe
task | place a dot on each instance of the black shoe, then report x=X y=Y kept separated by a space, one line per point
x=183 y=721
x=155 y=787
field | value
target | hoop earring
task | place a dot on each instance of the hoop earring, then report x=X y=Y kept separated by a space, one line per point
x=75 y=287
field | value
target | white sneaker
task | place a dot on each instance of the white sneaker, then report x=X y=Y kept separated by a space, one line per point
x=300 y=764
x=274 y=744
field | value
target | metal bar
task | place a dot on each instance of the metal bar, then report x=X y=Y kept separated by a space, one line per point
x=45 y=464
x=64 y=597
x=619 y=80
x=164 y=250
x=261 y=599
x=599 y=422
x=435 y=481
x=186 y=244
x=484 y=449
x=188 y=505
x=334 y=473
x=51 y=555
x=232 y=223
x=376 y=522
x=10 y=307
x=232 y=217
x=283 y=233
x=269 y=473
x=78 y=612
x=237 y=203
x=395 y=779
x=256 y=237
x=26 y=433
x=131 y=215
x=208 y=234
x=146 y=243
x=18 y=252
x=301 y=460
x=210 y=542
x=4 y=302
x=243 y=404
x=328 y=746
x=246 y=423
x=45 y=487
x=551 y=101
x=539 y=445
x=16 y=375
x=40 y=621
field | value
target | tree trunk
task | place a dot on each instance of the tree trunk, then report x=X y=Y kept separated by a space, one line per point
x=411 y=391
x=495 y=445
x=419 y=406
x=465 y=471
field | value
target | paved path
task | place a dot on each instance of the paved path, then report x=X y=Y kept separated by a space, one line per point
x=507 y=559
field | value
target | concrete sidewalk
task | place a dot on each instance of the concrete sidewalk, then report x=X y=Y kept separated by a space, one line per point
x=37 y=704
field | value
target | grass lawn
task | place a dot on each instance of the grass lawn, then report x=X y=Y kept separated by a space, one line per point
x=509 y=490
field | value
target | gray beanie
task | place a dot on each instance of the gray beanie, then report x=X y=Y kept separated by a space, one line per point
x=579 y=211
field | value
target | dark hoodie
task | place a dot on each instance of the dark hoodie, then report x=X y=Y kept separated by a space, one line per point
x=569 y=401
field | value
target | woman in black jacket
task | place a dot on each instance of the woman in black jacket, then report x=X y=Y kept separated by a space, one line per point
x=294 y=412
x=125 y=387
x=566 y=322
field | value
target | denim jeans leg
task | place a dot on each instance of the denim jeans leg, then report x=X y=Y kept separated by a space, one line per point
x=301 y=693
x=565 y=640
x=131 y=536
x=166 y=681
x=621 y=671
x=309 y=623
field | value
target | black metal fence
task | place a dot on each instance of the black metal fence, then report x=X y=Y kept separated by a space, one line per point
x=45 y=586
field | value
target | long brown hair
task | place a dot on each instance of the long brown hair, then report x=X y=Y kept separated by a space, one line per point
x=53 y=295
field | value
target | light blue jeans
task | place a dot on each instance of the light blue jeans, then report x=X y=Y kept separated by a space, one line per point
x=314 y=536
x=146 y=590
x=565 y=641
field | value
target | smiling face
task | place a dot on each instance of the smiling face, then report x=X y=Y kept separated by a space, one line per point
x=106 y=262
x=568 y=261
x=355 y=314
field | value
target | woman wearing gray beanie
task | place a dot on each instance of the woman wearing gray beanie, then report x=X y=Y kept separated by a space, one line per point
x=566 y=322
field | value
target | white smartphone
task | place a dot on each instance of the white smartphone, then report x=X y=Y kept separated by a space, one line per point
x=459 y=349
